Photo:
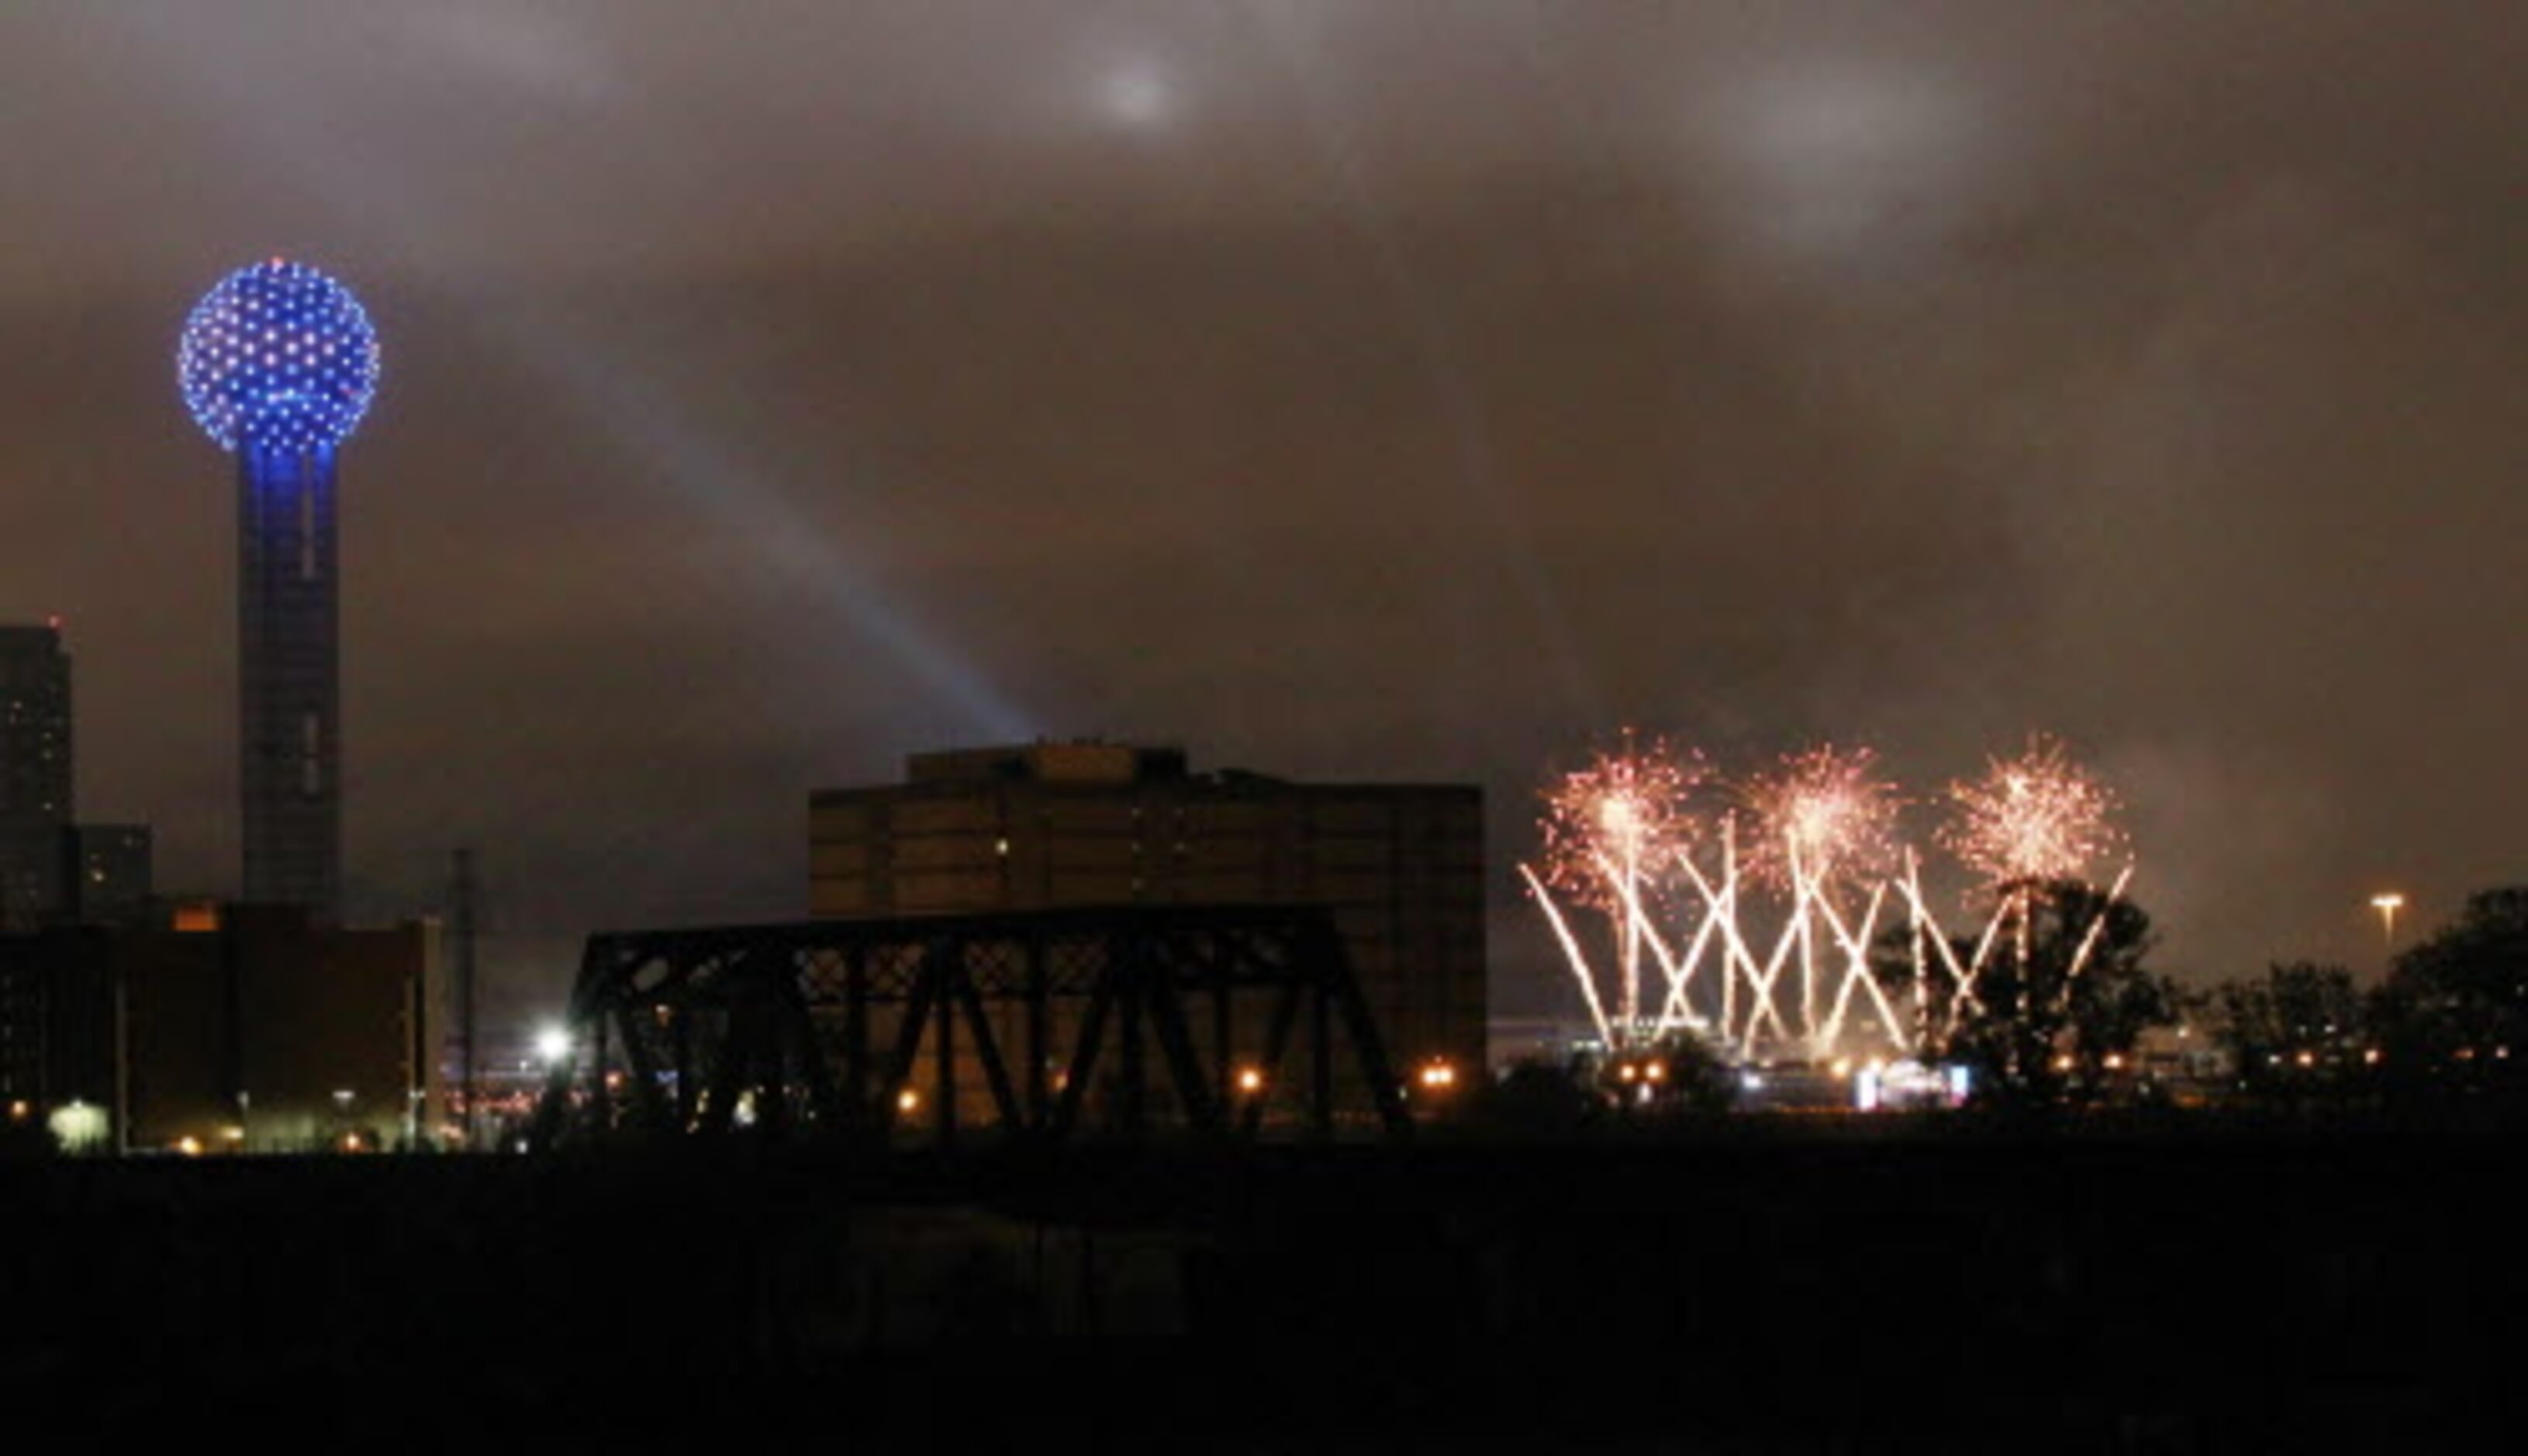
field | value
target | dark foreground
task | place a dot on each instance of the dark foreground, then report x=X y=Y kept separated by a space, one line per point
x=1797 y=1293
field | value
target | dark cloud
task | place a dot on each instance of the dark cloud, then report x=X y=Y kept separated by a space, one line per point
x=1349 y=390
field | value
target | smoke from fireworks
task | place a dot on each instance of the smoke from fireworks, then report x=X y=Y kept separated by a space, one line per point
x=1825 y=812
x=2035 y=816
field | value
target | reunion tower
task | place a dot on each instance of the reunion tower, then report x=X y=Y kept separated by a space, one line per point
x=278 y=364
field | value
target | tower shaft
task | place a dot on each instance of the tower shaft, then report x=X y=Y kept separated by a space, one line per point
x=289 y=690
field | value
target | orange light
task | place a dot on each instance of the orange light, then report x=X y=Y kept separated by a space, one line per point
x=1625 y=1072
x=190 y=1145
x=908 y=1101
x=1251 y=1080
x=1656 y=1071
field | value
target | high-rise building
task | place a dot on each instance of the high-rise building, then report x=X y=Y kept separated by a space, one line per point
x=35 y=779
x=52 y=869
x=1052 y=825
x=36 y=773
x=108 y=872
x=278 y=364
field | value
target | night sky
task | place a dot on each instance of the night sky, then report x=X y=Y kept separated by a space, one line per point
x=1349 y=390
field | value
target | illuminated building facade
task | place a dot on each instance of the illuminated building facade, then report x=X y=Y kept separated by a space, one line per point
x=278 y=364
x=1060 y=825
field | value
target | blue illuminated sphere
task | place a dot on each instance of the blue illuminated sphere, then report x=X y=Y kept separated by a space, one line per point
x=278 y=357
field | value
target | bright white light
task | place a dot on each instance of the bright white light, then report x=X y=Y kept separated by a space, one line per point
x=78 y=1128
x=552 y=1044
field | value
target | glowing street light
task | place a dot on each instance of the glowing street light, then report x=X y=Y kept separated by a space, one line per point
x=2387 y=905
x=552 y=1044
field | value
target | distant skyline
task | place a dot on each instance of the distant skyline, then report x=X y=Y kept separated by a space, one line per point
x=1346 y=391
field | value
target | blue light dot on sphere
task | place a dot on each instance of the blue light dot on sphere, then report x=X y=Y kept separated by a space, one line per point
x=309 y=391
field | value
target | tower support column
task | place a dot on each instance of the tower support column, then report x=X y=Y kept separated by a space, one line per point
x=289 y=739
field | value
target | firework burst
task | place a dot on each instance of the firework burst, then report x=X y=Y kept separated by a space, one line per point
x=1623 y=813
x=2036 y=816
x=1825 y=810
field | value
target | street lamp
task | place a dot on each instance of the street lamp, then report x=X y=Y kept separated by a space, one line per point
x=552 y=1044
x=2387 y=905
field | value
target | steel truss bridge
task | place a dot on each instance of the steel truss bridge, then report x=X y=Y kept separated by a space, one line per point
x=1073 y=1021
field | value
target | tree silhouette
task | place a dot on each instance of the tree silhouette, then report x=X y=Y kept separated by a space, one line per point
x=2298 y=1034
x=2050 y=1008
x=2453 y=1015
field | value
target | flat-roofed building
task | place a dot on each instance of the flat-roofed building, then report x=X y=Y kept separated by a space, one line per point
x=1061 y=825
x=226 y=1027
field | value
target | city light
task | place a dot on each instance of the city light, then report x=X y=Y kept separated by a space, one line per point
x=77 y=1127
x=552 y=1044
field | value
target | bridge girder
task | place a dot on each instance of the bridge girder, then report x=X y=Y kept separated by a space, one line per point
x=819 y=1028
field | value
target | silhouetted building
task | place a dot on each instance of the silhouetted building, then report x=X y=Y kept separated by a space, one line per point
x=108 y=874
x=1053 y=825
x=54 y=871
x=36 y=773
x=231 y=1026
